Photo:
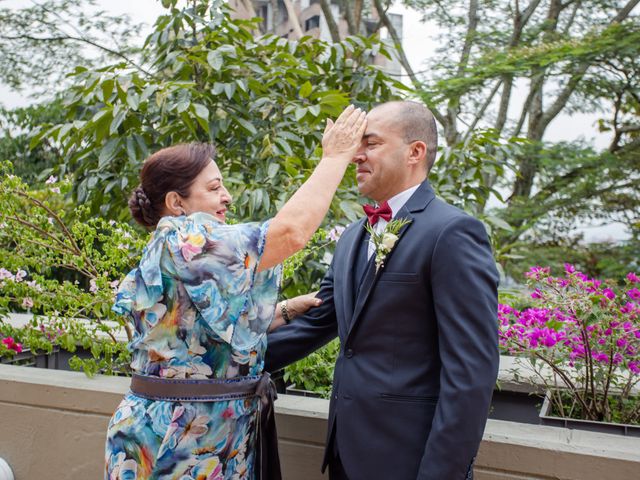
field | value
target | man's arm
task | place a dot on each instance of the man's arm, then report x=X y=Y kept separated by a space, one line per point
x=464 y=283
x=306 y=333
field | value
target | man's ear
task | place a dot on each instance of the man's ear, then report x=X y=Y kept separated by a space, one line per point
x=417 y=152
x=173 y=204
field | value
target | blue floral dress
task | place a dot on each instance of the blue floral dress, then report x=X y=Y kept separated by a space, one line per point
x=200 y=310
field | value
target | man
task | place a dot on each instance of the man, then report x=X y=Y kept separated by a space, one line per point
x=418 y=353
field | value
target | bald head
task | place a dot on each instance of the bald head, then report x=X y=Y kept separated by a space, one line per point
x=415 y=122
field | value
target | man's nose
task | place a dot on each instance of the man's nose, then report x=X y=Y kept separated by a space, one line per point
x=359 y=157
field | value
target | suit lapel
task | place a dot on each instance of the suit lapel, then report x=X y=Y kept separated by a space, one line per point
x=348 y=271
x=418 y=202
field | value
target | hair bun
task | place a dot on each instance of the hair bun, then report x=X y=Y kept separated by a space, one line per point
x=141 y=208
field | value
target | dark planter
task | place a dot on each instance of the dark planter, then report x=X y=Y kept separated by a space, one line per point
x=590 y=425
x=516 y=406
x=292 y=390
x=28 y=358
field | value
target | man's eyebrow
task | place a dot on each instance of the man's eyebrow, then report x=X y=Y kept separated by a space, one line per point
x=369 y=135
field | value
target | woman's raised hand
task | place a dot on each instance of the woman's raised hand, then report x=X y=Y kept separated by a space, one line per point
x=343 y=137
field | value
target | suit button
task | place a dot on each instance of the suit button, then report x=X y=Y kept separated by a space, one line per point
x=335 y=397
x=348 y=353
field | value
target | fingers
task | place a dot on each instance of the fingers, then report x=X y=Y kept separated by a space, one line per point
x=329 y=125
x=345 y=114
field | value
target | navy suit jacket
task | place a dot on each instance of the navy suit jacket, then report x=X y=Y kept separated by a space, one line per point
x=418 y=353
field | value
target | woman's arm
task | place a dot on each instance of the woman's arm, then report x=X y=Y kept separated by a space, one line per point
x=293 y=226
x=293 y=307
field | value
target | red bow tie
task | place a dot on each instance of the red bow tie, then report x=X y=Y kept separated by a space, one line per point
x=376 y=213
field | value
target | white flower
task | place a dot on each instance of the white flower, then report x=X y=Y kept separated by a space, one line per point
x=27 y=302
x=335 y=233
x=4 y=273
x=51 y=179
x=93 y=288
x=383 y=242
x=389 y=240
x=55 y=190
x=20 y=274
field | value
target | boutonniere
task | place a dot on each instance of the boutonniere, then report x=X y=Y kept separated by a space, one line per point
x=384 y=241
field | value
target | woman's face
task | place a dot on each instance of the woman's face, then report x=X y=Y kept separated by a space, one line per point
x=207 y=194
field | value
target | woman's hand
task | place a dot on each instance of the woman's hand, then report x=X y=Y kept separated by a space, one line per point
x=294 y=306
x=343 y=137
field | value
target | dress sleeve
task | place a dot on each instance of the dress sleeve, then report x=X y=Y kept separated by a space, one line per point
x=216 y=264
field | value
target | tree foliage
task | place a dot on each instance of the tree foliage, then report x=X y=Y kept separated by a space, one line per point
x=263 y=101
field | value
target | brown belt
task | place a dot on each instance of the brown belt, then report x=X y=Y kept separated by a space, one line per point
x=218 y=390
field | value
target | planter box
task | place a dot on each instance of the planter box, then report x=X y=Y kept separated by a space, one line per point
x=519 y=406
x=590 y=425
x=292 y=390
x=28 y=358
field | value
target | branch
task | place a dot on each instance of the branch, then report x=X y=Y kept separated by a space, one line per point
x=563 y=96
x=294 y=21
x=397 y=42
x=348 y=15
x=484 y=107
x=66 y=37
x=331 y=22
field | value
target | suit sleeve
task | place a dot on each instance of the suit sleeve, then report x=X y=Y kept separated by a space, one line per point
x=464 y=283
x=306 y=333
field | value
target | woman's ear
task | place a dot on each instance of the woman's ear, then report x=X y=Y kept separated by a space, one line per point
x=173 y=204
x=417 y=152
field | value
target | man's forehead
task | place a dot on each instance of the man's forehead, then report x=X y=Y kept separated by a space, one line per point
x=380 y=122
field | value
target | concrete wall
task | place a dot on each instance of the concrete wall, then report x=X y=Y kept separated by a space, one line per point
x=53 y=424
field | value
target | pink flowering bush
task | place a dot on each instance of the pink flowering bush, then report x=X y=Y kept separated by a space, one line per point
x=582 y=334
x=9 y=347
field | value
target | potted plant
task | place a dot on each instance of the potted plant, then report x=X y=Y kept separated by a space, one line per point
x=582 y=337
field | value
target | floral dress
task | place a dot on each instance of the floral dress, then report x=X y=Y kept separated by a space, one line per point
x=200 y=310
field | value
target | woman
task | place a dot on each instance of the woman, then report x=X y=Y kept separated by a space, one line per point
x=202 y=300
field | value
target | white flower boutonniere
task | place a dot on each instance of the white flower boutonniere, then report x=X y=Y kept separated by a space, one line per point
x=384 y=241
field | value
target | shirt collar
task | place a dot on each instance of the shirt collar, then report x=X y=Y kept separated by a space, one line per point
x=397 y=202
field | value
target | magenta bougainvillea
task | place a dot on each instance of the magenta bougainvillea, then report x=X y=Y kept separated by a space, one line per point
x=583 y=335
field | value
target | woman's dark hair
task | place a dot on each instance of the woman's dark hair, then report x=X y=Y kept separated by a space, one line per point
x=172 y=169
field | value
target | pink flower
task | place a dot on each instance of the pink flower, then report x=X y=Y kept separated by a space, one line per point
x=634 y=294
x=51 y=179
x=568 y=268
x=11 y=344
x=335 y=233
x=93 y=288
x=536 y=272
x=536 y=294
x=6 y=274
x=27 y=302
x=55 y=190
x=607 y=292
x=634 y=367
x=20 y=274
x=632 y=277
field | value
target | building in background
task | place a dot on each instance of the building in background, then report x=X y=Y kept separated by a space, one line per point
x=293 y=19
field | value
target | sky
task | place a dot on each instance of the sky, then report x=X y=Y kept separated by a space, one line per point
x=419 y=43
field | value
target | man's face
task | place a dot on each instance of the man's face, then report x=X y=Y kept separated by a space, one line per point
x=380 y=161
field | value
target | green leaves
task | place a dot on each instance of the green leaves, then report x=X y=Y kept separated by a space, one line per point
x=264 y=101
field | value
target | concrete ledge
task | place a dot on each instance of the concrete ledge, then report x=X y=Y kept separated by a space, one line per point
x=54 y=424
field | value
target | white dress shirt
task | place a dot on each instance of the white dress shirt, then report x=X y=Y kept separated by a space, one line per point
x=395 y=203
